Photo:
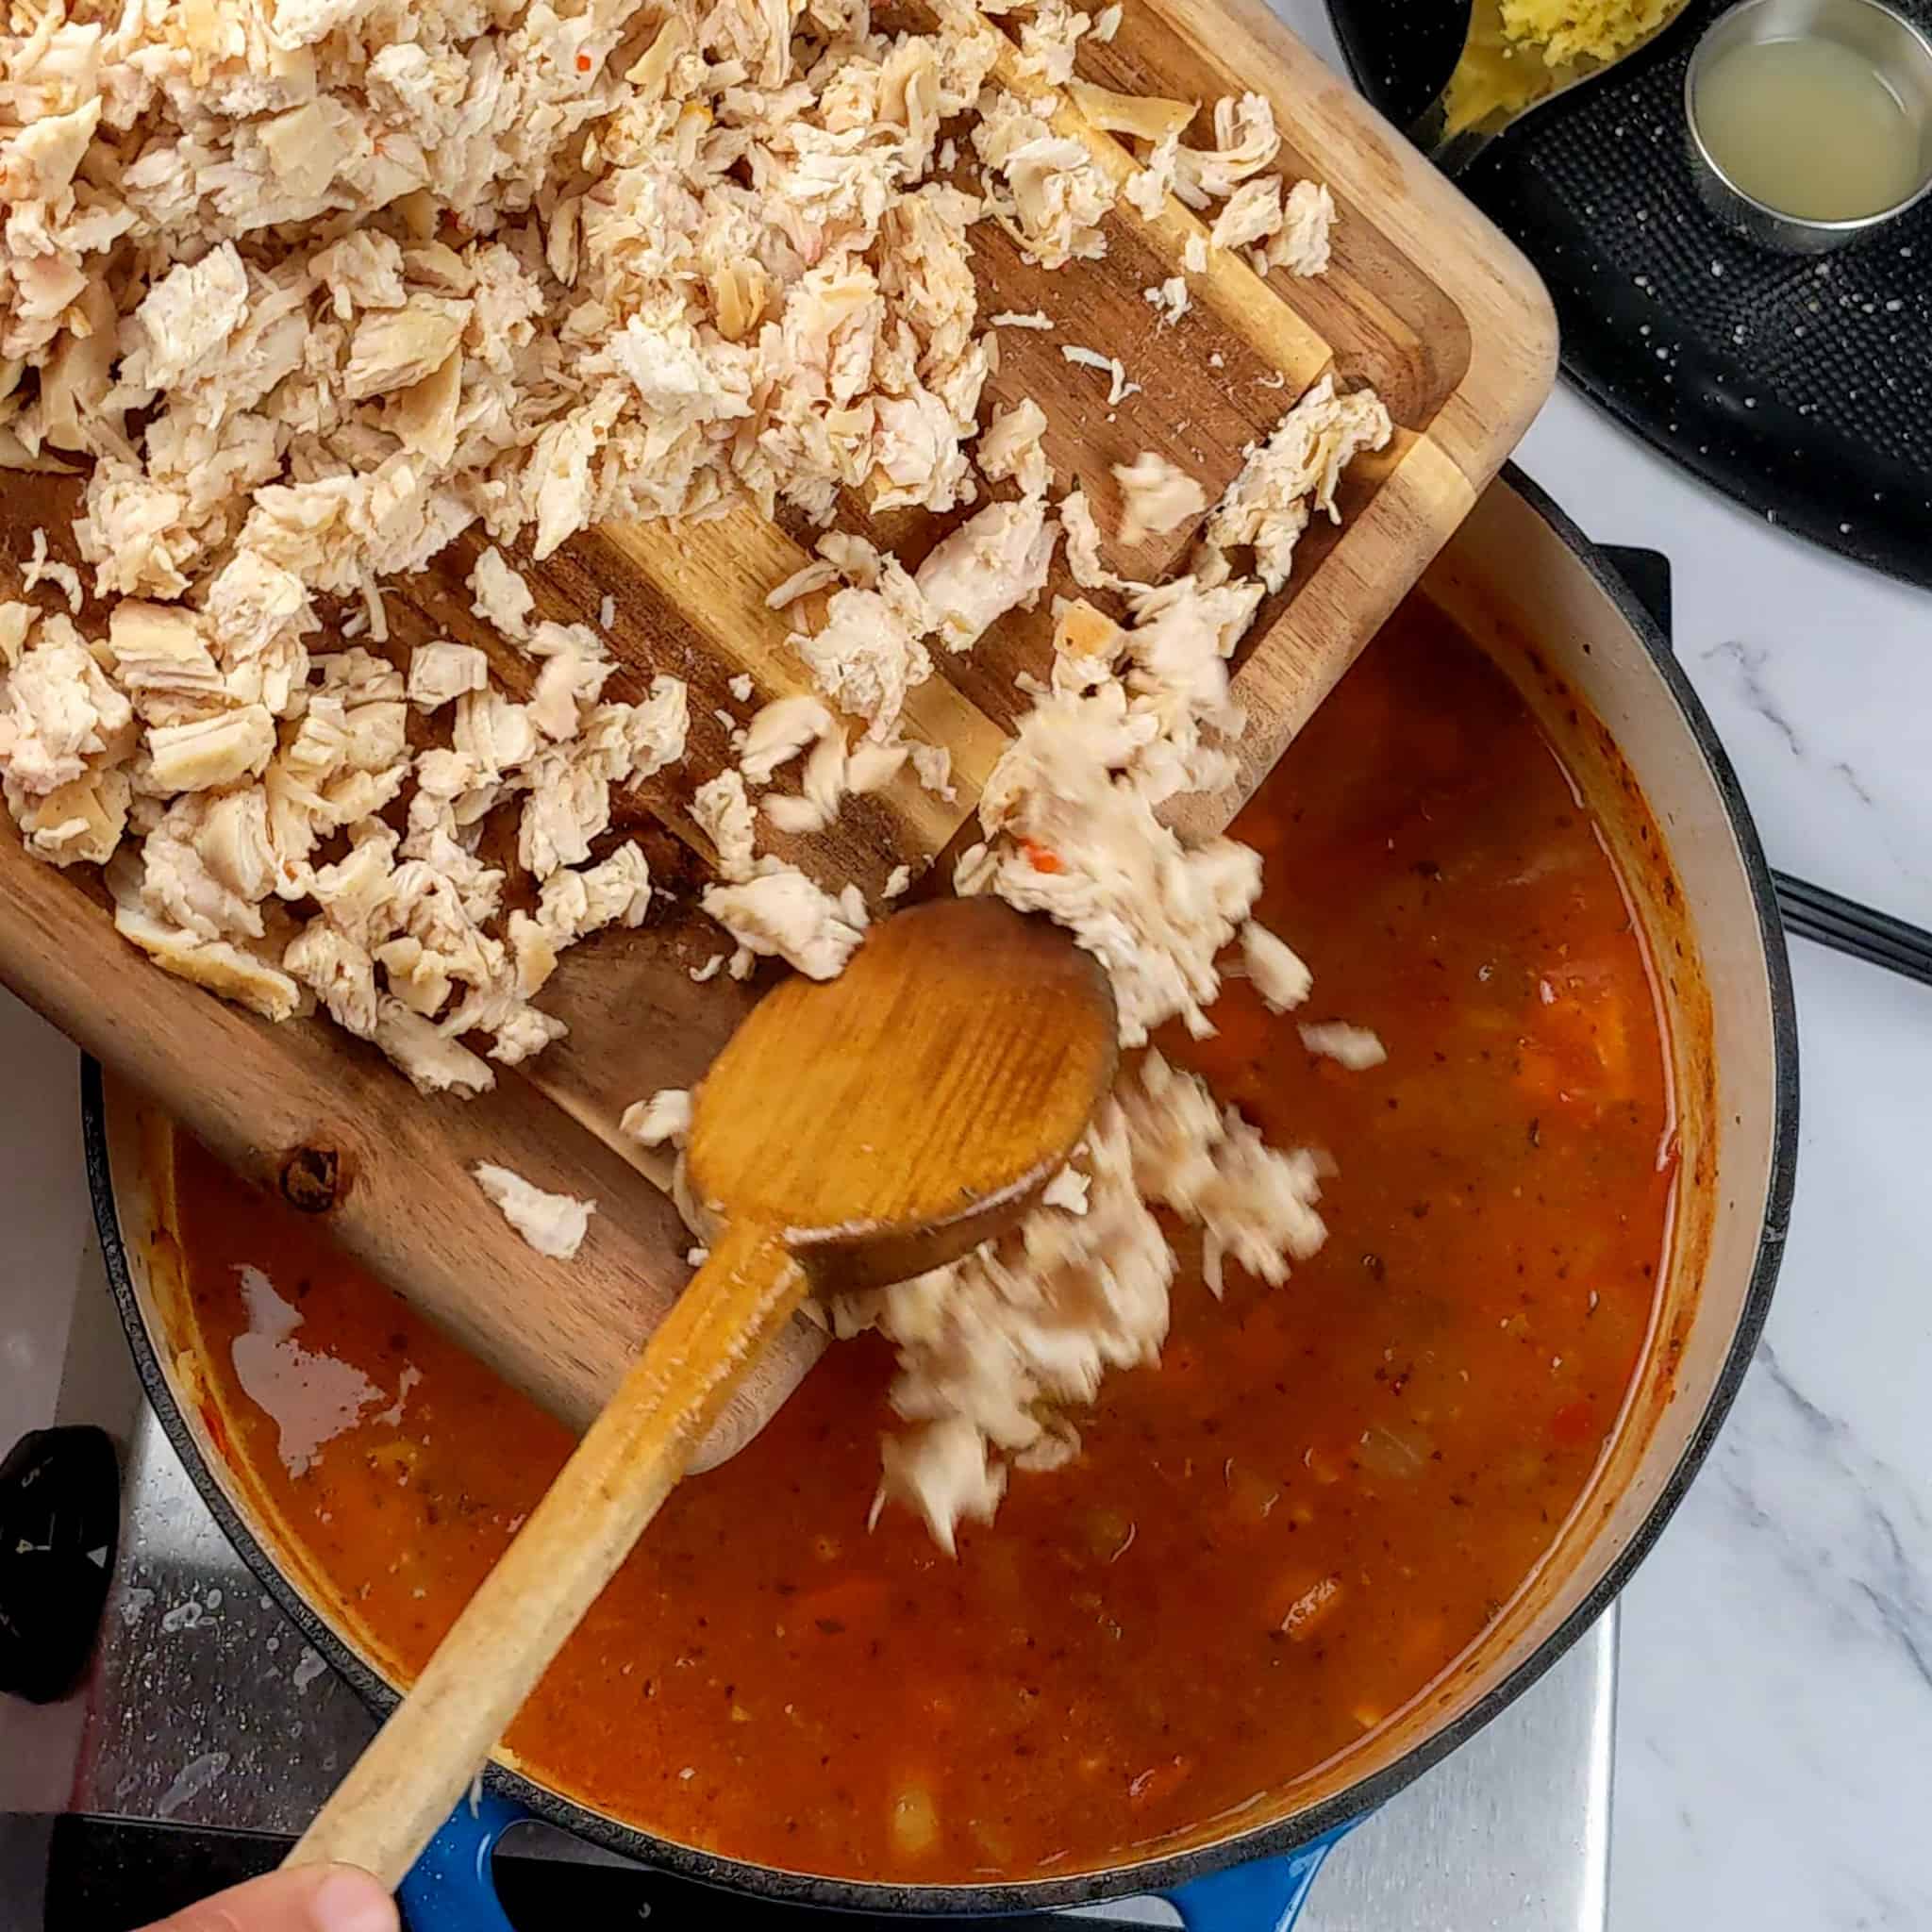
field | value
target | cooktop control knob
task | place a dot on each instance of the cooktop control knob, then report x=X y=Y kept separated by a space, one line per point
x=59 y=1518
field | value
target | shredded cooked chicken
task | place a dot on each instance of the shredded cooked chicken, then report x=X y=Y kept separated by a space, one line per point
x=1043 y=187
x=1291 y=232
x=1169 y=300
x=780 y=913
x=664 y=1117
x=1072 y=810
x=1301 y=243
x=1288 y=477
x=724 y=815
x=991 y=564
x=310 y=289
x=1158 y=496
x=1353 y=1047
x=1118 y=387
x=1010 y=447
x=554 y=1225
x=1277 y=971
x=993 y=1350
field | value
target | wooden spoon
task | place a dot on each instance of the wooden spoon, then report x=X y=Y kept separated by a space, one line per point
x=852 y=1133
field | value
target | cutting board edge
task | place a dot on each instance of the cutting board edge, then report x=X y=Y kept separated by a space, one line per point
x=1511 y=366
x=256 y=1093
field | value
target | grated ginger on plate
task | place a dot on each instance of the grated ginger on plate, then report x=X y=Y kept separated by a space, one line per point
x=1593 y=29
x=309 y=288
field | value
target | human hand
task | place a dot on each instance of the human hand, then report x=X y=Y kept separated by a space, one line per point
x=302 y=1898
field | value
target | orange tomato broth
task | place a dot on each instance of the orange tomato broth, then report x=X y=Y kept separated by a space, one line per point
x=1269 y=1543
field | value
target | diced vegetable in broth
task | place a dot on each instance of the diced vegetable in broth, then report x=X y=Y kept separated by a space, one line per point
x=1311 y=1609
x=915 y=1822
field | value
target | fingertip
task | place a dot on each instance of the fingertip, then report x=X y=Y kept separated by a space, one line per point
x=348 y=1900
x=302 y=1898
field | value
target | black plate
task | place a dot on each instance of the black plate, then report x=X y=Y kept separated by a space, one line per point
x=1801 y=388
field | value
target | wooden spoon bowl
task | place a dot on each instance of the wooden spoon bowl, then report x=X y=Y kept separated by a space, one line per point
x=891 y=1120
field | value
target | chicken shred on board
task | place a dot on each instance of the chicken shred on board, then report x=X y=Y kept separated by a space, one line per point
x=306 y=290
x=1158 y=498
x=554 y=1225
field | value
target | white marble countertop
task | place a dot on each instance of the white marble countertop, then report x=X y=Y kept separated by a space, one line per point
x=1774 y=1723
x=1774 y=1713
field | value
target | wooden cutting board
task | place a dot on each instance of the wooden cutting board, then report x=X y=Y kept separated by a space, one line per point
x=1424 y=301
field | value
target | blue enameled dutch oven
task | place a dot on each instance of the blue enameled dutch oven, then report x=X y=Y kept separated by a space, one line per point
x=1554 y=614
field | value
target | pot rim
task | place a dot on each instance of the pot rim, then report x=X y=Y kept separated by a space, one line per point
x=1275 y=1840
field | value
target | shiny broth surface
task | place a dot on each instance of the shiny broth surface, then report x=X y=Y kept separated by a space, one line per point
x=1267 y=1546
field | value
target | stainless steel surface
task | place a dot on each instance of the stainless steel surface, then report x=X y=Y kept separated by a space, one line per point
x=207 y=1707
x=1508 y=1834
x=41 y=1358
x=1895 y=46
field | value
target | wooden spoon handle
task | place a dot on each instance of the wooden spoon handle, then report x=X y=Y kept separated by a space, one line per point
x=419 y=1764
